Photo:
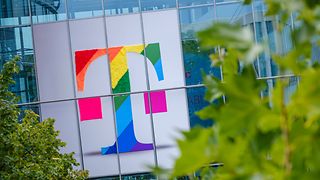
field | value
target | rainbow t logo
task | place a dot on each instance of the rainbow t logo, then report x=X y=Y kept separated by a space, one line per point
x=90 y=108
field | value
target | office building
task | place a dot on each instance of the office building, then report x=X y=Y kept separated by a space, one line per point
x=122 y=78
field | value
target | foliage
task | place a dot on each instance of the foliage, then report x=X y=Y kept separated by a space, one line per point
x=29 y=150
x=259 y=137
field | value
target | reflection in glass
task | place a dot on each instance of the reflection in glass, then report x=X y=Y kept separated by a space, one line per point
x=35 y=108
x=234 y=13
x=18 y=42
x=139 y=177
x=114 y=7
x=195 y=60
x=315 y=53
x=82 y=9
x=291 y=88
x=183 y=3
x=278 y=42
x=107 y=178
x=48 y=10
x=14 y=12
x=150 y=5
x=196 y=102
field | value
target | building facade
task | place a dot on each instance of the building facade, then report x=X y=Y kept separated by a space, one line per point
x=122 y=78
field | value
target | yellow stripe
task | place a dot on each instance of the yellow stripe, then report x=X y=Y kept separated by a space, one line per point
x=135 y=48
x=118 y=67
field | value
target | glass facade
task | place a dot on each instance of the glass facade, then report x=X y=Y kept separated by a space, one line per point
x=44 y=11
x=44 y=33
x=14 y=12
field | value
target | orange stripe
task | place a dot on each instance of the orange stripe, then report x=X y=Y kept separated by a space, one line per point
x=113 y=52
x=81 y=75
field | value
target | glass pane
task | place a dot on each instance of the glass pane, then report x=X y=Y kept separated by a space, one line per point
x=139 y=177
x=234 y=13
x=315 y=53
x=150 y=5
x=14 y=12
x=114 y=7
x=107 y=178
x=48 y=10
x=195 y=60
x=82 y=9
x=194 y=2
x=279 y=42
x=196 y=102
x=291 y=88
x=18 y=42
x=35 y=108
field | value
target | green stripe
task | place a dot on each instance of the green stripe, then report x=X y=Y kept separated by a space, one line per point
x=152 y=52
x=123 y=85
x=118 y=100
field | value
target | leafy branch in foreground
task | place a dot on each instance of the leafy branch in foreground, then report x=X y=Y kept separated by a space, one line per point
x=29 y=150
x=259 y=137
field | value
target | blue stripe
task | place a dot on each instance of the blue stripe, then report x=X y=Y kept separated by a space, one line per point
x=159 y=70
x=124 y=115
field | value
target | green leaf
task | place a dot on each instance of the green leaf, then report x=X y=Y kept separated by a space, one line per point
x=195 y=151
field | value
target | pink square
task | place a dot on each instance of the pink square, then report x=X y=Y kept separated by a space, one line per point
x=158 y=101
x=90 y=109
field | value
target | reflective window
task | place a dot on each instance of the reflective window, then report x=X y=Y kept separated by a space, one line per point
x=264 y=31
x=138 y=177
x=150 y=5
x=107 y=178
x=226 y=1
x=18 y=42
x=315 y=53
x=278 y=42
x=14 y=12
x=196 y=102
x=35 y=108
x=82 y=9
x=48 y=10
x=234 y=13
x=195 y=60
x=113 y=7
x=194 y=2
x=291 y=88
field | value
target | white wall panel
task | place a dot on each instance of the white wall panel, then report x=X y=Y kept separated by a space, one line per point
x=65 y=115
x=54 y=64
x=87 y=35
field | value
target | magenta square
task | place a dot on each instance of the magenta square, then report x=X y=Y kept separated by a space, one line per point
x=158 y=101
x=90 y=109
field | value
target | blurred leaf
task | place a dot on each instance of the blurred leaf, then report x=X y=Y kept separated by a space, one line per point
x=195 y=151
x=232 y=36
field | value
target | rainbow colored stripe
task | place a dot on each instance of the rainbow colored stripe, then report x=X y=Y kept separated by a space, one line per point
x=120 y=83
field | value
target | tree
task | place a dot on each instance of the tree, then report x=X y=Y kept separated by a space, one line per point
x=259 y=137
x=30 y=149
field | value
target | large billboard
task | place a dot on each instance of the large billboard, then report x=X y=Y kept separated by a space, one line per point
x=121 y=71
